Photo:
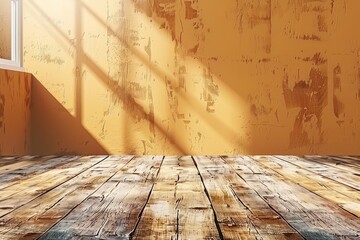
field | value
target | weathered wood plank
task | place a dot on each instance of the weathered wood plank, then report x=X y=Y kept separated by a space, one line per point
x=356 y=158
x=241 y=212
x=8 y=165
x=350 y=160
x=27 y=190
x=311 y=215
x=335 y=162
x=329 y=167
x=291 y=168
x=178 y=207
x=5 y=160
x=36 y=217
x=118 y=199
x=113 y=210
x=46 y=163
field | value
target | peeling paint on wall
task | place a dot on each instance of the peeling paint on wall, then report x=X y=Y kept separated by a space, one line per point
x=338 y=105
x=311 y=96
x=210 y=91
x=201 y=77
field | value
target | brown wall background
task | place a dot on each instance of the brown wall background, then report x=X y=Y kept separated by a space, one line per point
x=195 y=77
x=15 y=97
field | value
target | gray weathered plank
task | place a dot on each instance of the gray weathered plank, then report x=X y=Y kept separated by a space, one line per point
x=36 y=217
x=296 y=169
x=328 y=167
x=311 y=215
x=40 y=166
x=113 y=210
x=241 y=212
x=27 y=190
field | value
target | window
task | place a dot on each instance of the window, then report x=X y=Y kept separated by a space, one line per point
x=10 y=34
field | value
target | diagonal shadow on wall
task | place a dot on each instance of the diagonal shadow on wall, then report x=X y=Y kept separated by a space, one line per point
x=121 y=93
x=54 y=130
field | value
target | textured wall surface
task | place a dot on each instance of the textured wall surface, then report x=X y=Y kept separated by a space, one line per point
x=198 y=77
x=15 y=100
x=5 y=29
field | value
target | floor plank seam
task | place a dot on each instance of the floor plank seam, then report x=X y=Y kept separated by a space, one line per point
x=315 y=173
x=314 y=192
x=52 y=188
x=246 y=207
x=25 y=173
x=339 y=206
x=182 y=197
x=278 y=213
x=49 y=229
x=337 y=161
x=333 y=205
x=344 y=161
x=208 y=196
x=132 y=233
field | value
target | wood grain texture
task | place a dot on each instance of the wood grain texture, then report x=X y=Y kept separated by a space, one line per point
x=311 y=215
x=348 y=167
x=344 y=196
x=241 y=213
x=179 y=197
x=37 y=166
x=178 y=207
x=328 y=168
x=34 y=218
x=15 y=113
x=113 y=210
x=17 y=195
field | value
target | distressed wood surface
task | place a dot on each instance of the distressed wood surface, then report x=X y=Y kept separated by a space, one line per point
x=311 y=215
x=344 y=196
x=31 y=220
x=29 y=189
x=178 y=207
x=240 y=212
x=113 y=210
x=179 y=197
x=329 y=168
x=37 y=167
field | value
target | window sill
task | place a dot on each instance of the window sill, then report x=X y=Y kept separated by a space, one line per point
x=11 y=67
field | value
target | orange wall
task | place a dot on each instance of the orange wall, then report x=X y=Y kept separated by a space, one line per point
x=15 y=100
x=5 y=29
x=198 y=77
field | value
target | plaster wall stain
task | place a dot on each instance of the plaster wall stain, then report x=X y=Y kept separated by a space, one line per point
x=254 y=25
x=190 y=12
x=311 y=97
x=210 y=91
x=337 y=94
x=203 y=77
x=166 y=10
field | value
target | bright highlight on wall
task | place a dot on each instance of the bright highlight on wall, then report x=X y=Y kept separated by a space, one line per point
x=194 y=77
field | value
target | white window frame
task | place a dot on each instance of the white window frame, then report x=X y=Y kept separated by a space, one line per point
x=16 y=38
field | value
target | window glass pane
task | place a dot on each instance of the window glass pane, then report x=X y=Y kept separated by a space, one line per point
x=5 y=29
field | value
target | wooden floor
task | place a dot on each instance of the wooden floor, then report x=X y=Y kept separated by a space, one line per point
x=156 y=197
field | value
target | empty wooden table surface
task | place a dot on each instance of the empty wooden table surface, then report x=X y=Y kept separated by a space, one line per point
x=180 y=197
